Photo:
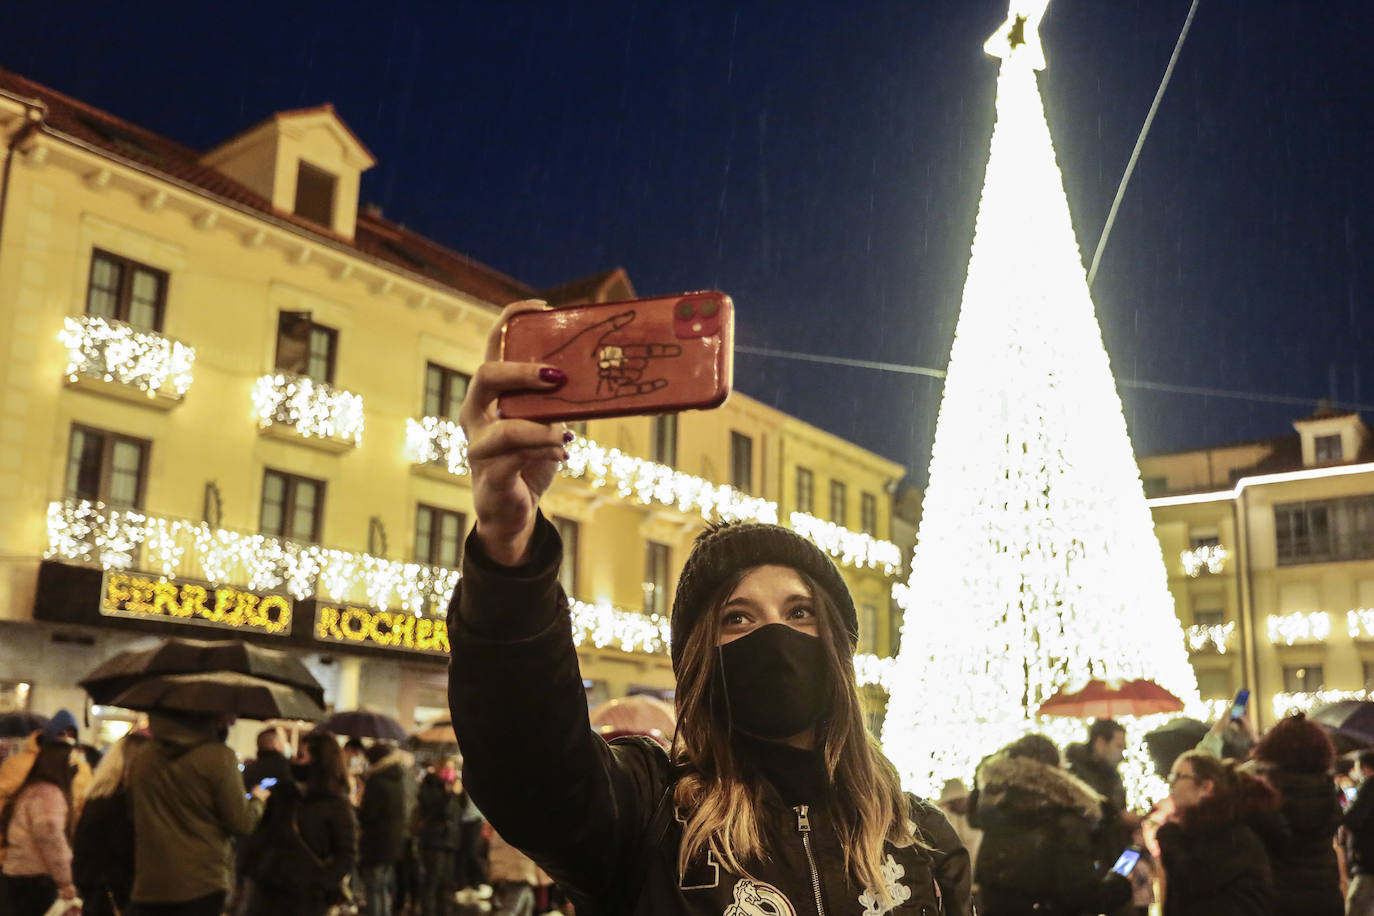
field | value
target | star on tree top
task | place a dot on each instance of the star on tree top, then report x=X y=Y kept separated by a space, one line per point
x=1018 y=38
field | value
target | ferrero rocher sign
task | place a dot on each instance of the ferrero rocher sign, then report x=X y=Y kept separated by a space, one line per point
x=384 y=629
x=146 y=598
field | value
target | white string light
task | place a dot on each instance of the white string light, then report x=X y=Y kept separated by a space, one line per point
x=439 y=441
x=1219 y=636
x=114 y=351
x=1359 y=622
x=1211 y=558
x=1306 y=701
x=1292 y=629
x=312 y=408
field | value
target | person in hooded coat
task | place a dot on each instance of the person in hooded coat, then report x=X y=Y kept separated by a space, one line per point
x=103 y=843
x=773 y=798
x=1037 y=855
x=1215 y=864
x=1295 y=757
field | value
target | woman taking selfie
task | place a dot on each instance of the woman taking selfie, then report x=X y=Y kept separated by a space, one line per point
x=773 y=798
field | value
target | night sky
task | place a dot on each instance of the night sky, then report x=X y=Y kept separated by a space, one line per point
x=822 y=162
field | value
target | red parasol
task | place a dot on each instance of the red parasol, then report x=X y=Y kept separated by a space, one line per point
x=1101 y=700
x=635 y=715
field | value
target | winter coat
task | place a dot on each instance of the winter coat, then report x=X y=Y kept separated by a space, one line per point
x=1359 y=822
x=37 y=835
x=16 y=768
x=267 y=765
x=381 y=814
x=187 y=799
x=103 y=853
x=309 y=845
x=439 y=818
x=1215 y=864
x=1112 y=836
x=599 y=817
x=1307 y=878
x=1037 y=854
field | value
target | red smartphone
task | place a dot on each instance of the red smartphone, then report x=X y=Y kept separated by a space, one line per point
x=644 y=356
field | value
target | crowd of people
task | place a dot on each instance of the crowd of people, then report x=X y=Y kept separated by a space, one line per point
x=169 y=823
x=1277 y=826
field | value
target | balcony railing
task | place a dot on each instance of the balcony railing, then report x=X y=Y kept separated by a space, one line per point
x=313 y=409
x=113 y=351
x=1219 y=637
x=440 y=442
x=1299 y=628
x=1209 y=559
x=127 y=539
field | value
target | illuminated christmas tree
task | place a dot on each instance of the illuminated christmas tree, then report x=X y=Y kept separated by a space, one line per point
x=1037 y=565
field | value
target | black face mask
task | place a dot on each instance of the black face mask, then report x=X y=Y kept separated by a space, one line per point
x=775 y=680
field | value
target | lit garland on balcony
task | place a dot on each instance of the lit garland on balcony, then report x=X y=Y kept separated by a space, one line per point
x=1359 y=622
x=118 y=352
x=1284 y=703
x=312 y=408
x=1291 y=629
x=88 y=532
x=438 y=441
x=1211 y=558
x=1218 y=637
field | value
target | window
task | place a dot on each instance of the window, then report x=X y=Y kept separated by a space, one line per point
x=806 y=490
x=741 y=462
x=655 y=578
x=444 y=391
x=126 y=290
x=1327 y=448
x=439 y=536
x=292 y=506
x=1155 y=486
x=664 y=440
x=1214 y=683
x=1325 y=530
x=838 y=498
x=1302 y=678
x=1212 y=617
x=1199 y=541
x=304 y=347
x=578 y=427
x=315 y=194
x=868 y=513
x=106 y=467
x=868 y=629
x=567 y=573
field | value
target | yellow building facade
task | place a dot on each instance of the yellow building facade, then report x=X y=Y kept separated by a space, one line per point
x=228 y=402
x=1270 y=552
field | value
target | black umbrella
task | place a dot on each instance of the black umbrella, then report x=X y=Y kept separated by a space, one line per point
x=359 y=723
x=220 y=692
x=1174 y=738
x=191 y=656
x=21 y=724
x=1349 y=722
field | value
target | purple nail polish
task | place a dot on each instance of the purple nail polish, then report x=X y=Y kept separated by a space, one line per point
x=568 y=435
x=552 y=376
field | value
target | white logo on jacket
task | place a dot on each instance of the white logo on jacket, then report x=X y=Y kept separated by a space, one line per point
x=754 y=898
x=897 y=893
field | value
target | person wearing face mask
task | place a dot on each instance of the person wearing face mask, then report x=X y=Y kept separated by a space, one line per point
x=773 y=798
x=1215 y=864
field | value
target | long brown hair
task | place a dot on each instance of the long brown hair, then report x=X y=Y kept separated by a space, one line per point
x=723 y=797
x=326 y=774
x=53 y=765
x=1234 y=792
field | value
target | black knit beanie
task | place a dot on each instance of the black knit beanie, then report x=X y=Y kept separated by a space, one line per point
x=725 y=549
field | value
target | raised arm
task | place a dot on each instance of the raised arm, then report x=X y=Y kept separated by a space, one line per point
x=532 y=764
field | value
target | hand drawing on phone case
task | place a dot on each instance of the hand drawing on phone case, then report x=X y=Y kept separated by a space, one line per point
x=620 y=367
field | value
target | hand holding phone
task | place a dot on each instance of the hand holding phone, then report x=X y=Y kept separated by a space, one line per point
x=1238 y=705
x=1127 y=861
x=644 y=356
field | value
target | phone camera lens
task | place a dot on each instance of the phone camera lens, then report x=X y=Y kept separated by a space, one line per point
x=709 y=308
x=685 y=310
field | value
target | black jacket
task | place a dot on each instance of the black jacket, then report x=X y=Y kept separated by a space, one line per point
x=382 y=812
x=103 y=854
x=1216 y=865
x=1359 y=821
x=310 y=843
x=598 y=817
x=1037 y=854
x=1307 y=878
x=438 y=817
x=1112 y=836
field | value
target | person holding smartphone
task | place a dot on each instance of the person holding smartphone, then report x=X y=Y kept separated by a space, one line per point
x=773 y=798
